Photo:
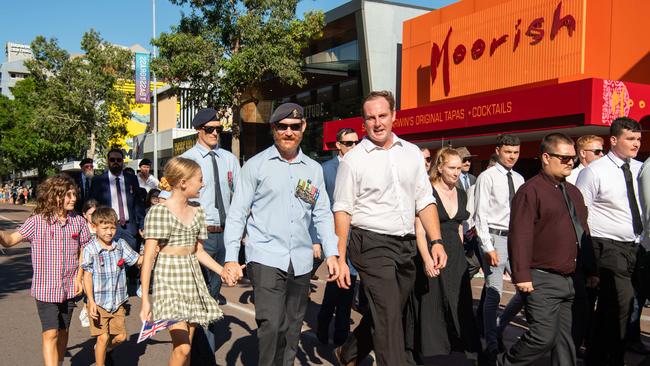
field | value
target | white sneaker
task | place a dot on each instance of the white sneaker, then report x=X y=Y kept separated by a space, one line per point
x=83 y=317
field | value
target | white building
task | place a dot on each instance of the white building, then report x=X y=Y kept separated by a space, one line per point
x=13 y=69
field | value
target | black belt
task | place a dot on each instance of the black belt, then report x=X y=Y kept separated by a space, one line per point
x=617 y=242
x=406 y=237
x=552 y=271
x=498 y=232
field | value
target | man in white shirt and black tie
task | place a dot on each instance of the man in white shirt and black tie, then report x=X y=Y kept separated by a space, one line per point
x=381 y=186
x=589 y=148
x=494 y=190
x=610 y=189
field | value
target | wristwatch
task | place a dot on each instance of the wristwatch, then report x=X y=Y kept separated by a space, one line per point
x=437 y=241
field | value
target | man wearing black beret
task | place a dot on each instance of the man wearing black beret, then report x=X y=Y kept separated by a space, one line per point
x=83 y=182
x=145 y=178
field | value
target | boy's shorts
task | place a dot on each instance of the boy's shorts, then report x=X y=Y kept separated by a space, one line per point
x=55 y=315
x=111 y=323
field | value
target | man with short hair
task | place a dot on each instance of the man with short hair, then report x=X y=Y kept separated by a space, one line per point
x=337 y=300
x=590 y=148
x=466 y=179
x=548 y=233
x=84 y=181
x=279 y=195
x=426 y=154
x=146 y=180
x=381 y=186
x=494 y=190
x=220 y=170
x=610 y=189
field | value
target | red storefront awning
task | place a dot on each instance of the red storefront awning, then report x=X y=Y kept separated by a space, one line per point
x=588 y=102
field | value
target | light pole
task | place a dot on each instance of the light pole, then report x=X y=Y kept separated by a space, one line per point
x=155 y=99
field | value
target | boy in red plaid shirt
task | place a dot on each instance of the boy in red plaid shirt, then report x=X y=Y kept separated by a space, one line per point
x=57 y=235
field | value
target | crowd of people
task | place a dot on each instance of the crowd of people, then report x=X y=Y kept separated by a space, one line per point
x=16 y=194
x=405 y=228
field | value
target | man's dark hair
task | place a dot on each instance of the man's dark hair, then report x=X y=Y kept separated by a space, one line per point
x=128 y=170
x=494 y=158
x=621 y=124
x=380 y=94
x=550 y=141
x=508 y=140
x=116 y=150
x=344 y=131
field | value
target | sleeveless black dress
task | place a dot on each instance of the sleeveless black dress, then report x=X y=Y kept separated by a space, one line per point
x=439 y=315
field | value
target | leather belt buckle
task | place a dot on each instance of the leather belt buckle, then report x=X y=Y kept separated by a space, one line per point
x=214 y=229
x=498 y=232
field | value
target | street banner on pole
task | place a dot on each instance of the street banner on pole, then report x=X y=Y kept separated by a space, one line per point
x=142 y=78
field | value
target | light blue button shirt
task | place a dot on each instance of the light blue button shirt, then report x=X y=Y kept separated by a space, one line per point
x=228 y=173
x=275 y=219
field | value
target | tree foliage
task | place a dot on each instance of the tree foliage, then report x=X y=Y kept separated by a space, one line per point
x=224 y=47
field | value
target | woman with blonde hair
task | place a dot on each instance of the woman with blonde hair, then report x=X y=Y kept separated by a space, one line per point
x=440 y=314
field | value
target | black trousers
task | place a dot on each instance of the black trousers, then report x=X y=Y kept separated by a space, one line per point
x=616 y=261
x=387 y=270
x=337 y=301
x=548 y=312
x=280 y=304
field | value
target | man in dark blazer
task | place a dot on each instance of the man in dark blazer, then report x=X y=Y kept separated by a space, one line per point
x=337 y=300
x=106 y=189
x=466 y=179
x=84 y=181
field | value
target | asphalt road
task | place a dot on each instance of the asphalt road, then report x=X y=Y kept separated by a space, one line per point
x=20 y=328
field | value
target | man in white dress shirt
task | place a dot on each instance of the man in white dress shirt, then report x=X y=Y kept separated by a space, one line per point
x=381 y=185
x=495 y=188
x=611 y=193
x=590 y=148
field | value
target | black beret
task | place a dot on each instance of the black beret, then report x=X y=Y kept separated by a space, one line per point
x=145 y=162
x=287 y=110
x=85 y=161
x=204 y=116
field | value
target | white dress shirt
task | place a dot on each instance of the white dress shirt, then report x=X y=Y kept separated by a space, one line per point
x=644 y=190
x=602 y=184
x=383 y=189
x=114 y=202
x=148 y=184
x=491 y=200
x=574 y=174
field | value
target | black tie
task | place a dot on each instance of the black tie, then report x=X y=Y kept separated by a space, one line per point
x=218 y=199
x=577 y=226
x=511 y=187
x=631 y=198
x=86 y=187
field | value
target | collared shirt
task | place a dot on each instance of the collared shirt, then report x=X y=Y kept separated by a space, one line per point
x=109 y=279
x=85 y=183
x=228 y=173
x=644 y=190
x=114 y=197
x=266 y=205
x=574 y=174
x=491 y=198
x=151 y=182
x=383 y=189
x=55 y=254
x=603 y=187
x=464 y=180
x=541 y=233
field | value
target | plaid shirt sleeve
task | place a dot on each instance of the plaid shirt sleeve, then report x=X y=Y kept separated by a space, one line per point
x=28 y=229
x=129 y=255
x=203 y=230
x=156 y=223
x=87 y=260
x=85 y=237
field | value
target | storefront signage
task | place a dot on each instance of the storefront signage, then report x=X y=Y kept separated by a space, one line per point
x=315 y=110
x=182 y=144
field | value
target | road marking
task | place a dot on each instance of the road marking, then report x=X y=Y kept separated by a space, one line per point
x=10 y=220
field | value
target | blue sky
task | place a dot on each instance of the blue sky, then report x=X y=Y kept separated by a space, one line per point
x=123 y=22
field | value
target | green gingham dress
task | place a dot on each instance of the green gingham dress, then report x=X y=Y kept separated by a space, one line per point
x=179 y=289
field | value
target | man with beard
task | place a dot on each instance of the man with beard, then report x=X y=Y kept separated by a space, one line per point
x=278 y=195
x=83 y=182
x=120 y=192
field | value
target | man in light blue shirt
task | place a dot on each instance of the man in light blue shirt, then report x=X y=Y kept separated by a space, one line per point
x=279 y=194
x=220 y=170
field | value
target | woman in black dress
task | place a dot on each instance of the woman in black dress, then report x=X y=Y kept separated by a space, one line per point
x=440 y=317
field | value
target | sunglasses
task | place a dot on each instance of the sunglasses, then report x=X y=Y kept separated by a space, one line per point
x=116 y=160
x=428 y=159
x=349 y=143
x=564 y=159
x=467 y=159
x=596 y=151
x=211 y=129
x=295 y=127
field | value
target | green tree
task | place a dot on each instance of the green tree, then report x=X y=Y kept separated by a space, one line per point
x=224 y=47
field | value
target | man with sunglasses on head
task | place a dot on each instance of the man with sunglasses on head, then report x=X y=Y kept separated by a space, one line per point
x=220 y=170
x=121 y=192
x=279 y=195
x=611 y=192
x=590 y=148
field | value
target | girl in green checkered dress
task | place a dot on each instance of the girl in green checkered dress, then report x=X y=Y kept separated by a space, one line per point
x=178 y=229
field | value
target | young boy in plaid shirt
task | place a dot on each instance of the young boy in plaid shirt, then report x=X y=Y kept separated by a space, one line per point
x=57 y=235
x=104 y=262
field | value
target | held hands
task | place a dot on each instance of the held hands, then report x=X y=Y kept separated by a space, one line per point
x=526 y=287
x=344 y=274
x=492 y=258
x=430 y=268
x=333 y=268
x=231 y=273
x=439 y=256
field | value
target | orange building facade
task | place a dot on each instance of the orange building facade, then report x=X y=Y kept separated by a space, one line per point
x=477 y=68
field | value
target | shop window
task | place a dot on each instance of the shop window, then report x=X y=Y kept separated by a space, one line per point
x=349 y=89
x=325 y=95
